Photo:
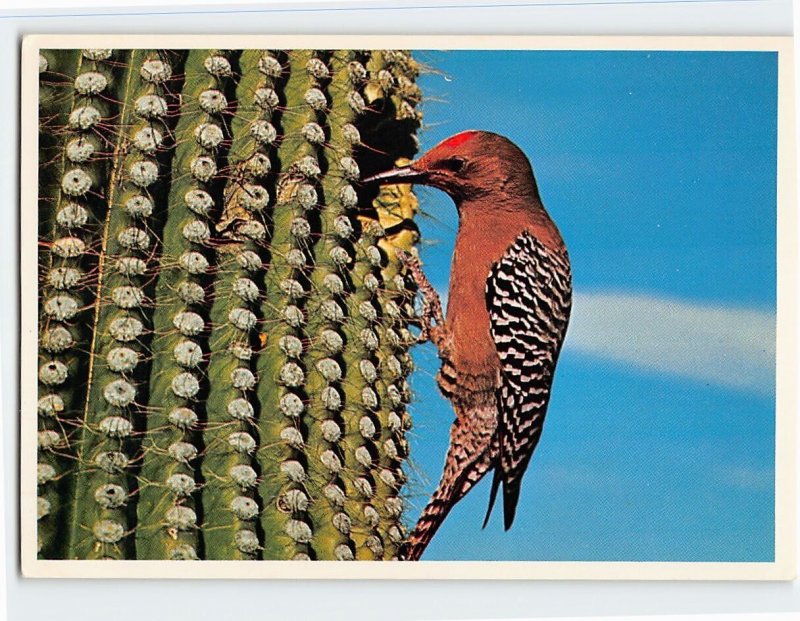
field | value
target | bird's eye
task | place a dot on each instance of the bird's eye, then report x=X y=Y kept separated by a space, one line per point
x=453 y=164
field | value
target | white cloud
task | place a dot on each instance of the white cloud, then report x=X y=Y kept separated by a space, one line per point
x=722 y=345
x=746 y=477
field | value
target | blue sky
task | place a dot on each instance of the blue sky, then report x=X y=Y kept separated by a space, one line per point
x=659 y=168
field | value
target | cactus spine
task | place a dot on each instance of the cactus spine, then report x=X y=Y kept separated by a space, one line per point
x=224 y=322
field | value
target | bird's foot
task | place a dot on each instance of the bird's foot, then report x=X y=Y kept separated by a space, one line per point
x=440 y=336
x=432 y=318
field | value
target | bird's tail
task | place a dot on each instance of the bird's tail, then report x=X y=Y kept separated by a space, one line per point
x=492 y=496
x=511 y=491
x=469 y=457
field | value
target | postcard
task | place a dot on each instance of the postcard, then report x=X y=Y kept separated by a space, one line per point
x=315 y=298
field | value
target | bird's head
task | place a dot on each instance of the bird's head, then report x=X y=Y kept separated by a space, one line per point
x=469 y=165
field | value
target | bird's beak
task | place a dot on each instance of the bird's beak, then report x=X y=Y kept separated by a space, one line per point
x=404 y=174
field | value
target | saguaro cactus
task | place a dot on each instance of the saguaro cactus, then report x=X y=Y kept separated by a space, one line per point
x=223 y=318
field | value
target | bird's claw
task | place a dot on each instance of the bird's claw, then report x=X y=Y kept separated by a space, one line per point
x=432 y=318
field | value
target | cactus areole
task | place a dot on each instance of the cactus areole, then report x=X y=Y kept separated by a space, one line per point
x=223 y=320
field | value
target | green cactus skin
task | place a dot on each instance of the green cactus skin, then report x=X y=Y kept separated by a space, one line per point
x=235 y=389
x=282 y=391
x=229 y=466
x=79 y=91
x=331 y=512
x=393 y=72
x=116 y=387
x=56 y=72
x=167 y=514
x=56 y=100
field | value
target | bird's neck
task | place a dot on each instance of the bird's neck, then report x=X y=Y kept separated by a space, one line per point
x=501 y=216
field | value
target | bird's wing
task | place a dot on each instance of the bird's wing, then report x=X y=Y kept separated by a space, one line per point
x=528 y=297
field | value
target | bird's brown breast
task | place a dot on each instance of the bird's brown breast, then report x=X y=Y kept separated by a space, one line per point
x=483 y=237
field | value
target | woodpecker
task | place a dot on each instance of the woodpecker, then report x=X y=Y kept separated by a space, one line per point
x=508 y=308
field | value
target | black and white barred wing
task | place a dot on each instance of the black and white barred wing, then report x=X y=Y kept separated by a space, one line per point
x=528 y=296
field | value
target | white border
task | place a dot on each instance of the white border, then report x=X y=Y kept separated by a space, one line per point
x=783 y=568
